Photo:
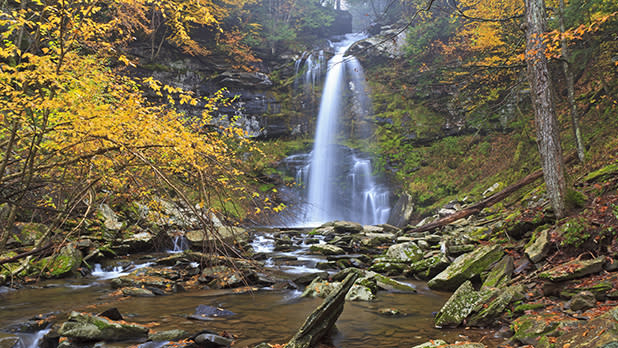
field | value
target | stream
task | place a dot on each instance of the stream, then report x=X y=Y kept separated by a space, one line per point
x=266 y=315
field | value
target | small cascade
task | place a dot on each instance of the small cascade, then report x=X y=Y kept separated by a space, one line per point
x=180 y=244
x=32 y=340
x=115 y=271
x=313 y=68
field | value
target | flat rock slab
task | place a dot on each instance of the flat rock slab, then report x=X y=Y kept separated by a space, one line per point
x=466 y=267
x=573 y=270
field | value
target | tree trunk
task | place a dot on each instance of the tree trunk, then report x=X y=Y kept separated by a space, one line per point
x=568 y=74
x=547 y=128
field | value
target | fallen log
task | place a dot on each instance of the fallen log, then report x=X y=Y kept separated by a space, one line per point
x=487 y=202
x=323 y=318
x=27 y=253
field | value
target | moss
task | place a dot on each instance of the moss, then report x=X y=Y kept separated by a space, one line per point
x=603 y=173
x=575 y=199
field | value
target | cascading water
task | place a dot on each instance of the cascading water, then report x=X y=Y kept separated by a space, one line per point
x=338 y=183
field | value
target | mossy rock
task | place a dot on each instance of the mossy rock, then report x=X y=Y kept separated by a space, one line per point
x=87 y=327
x=540 y=246
x=486 y=313
x=529 y=328
x=599 y=290
x=521 y=308
x=63 y=264
x=499 y=274
x=388 y=267
x=459 y=306
x=389 y=284
x=573 y=270
x=430 y=267
x=405 y=252
x=466 y=266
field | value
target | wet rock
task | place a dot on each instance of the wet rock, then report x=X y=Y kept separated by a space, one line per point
x=466 y=267
x=319 y=288
x=539 y=248
x=582 y=301
x=387 y=267
x=9 y=341
x=87 y=327
x=389 y=284
x=499 y=274
x=204 y=312
x=321 y=321
x=222 y=277
x=149 y=277
x=228 y=234
x=404 y=252
x=428 y=268
x=391 y=312
x=137 y=292
x=360 y=293
x=307 y=278
x=170 y=335
x=343 y=227
x=64 y=264
x=573 y=270
x=111 y=313
x=326 y=249
x=210 y=340
x=459 y=306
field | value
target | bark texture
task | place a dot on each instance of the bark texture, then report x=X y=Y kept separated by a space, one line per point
x=547 y=128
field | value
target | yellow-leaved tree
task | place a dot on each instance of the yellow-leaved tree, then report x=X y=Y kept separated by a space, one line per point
x=72 y=127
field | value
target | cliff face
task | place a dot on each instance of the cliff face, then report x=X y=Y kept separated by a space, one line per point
x=265 y=101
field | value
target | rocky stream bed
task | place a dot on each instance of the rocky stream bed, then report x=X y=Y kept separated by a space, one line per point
x=414 y=289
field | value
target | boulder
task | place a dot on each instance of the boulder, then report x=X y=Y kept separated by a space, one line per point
x=347 y=227
x=389 y=284
x=374 y=239
x=404 y=252
x=573 y=270
x=87 y=327
x=227 y=234
x=599 y=332
x=63 y=264
x=319 y=288
x=429 y=267
x=582 y=301
x=459 y=306
x=402 y=211
x=539 y=248
x=466 y=267
x=326 y=249
x=499 y=274
x=387 y=267
x=487 y=312
x=432 y=344
x=211 y=340
x=137 y=292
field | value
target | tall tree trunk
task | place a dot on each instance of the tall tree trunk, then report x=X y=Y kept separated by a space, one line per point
x=568 y=74
x=547 y=129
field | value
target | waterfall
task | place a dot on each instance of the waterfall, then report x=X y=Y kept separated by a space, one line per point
x=339 y=182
